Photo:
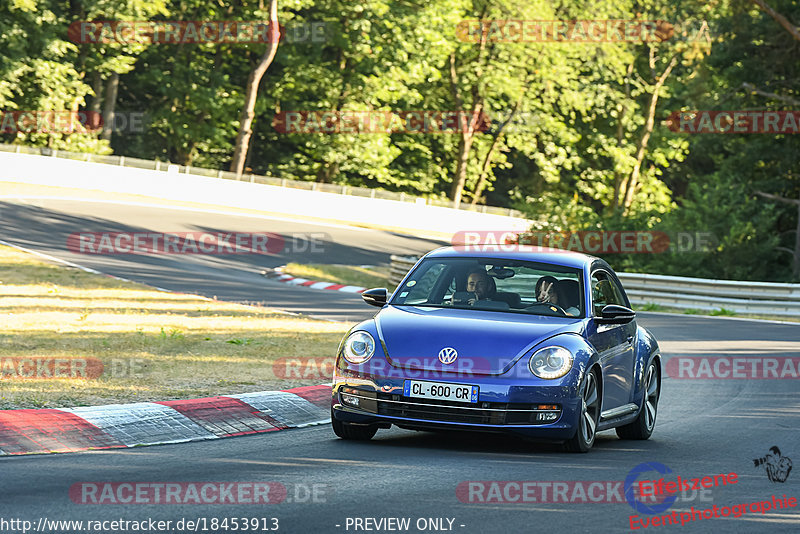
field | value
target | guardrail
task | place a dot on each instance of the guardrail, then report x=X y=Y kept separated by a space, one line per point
x=399 y=266
x=759 y=298
x=172 y=168
x=765 y=298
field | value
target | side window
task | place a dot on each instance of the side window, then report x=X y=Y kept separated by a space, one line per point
x=450 y=290
x=604 y=292
x=421 y=289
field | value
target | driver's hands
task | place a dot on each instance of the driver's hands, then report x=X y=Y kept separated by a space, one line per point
x=473 y=299
x=546 y=292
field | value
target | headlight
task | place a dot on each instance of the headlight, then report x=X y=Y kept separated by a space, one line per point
x=550 y=362
x=358 y=347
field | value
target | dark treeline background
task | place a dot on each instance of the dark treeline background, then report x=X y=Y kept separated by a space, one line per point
x=578 y=139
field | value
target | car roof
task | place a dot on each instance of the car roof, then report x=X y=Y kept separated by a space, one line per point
x=564 y=258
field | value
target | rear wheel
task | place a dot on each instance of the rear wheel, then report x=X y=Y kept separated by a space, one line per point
x=353 y=432
x=642 y=427
x=584 y=436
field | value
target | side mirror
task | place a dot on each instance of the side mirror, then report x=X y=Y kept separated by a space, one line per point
x=615 y=314
x=376 y=297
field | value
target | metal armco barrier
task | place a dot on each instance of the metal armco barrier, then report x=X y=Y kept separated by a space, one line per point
x=253 y=178
x=399 y=267
x=704 y=294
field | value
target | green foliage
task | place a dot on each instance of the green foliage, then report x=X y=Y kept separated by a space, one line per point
x=576 y=114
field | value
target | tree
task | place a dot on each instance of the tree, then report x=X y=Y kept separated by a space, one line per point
x=251 y=92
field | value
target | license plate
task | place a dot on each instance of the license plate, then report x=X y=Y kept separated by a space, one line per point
x=440 y=391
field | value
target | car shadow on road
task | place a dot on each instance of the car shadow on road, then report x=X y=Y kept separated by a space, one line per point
x=476 y=442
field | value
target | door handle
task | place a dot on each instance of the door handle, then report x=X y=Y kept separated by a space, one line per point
x=630 y=339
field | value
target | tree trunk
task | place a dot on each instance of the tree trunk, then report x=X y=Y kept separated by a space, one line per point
x=467 y=133
x=796 y=252
x=487 y=161
x=633 y=180
x=796 y=256
x=460 y=178
x=780 y=19
x=251 y=92
x=620 y=136
x=110 y=103
x=97 y=89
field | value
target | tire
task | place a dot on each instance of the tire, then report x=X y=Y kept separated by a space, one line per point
x=642 y=427
x=586 y=432
x=352 y=432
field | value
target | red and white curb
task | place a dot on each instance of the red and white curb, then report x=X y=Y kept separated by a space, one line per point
x=278 y=275
x=152 y=423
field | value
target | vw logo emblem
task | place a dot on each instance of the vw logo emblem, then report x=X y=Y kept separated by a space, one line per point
x=448 y=355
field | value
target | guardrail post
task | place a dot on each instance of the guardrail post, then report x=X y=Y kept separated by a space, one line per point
x=121 y=162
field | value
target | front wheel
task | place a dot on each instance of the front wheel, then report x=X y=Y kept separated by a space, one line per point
x=642 y=427
x=352 y=432
x=584 y=436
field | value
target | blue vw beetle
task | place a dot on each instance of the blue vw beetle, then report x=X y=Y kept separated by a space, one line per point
x=542 y=344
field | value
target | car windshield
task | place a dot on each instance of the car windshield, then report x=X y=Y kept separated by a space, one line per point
x=494 y=284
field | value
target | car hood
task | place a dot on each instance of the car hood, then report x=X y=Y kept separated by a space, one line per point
x=487 y=342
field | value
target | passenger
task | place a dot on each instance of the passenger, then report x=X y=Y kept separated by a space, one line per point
x=549 y=290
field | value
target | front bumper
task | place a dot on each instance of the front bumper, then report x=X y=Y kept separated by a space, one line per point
x=546 y=411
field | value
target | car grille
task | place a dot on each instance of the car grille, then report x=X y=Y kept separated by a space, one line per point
x=481 y=413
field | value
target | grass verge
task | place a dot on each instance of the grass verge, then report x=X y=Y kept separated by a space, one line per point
x=351 y=275
x=153 y=345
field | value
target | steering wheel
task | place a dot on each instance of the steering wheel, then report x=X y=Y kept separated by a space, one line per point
x=548 y=305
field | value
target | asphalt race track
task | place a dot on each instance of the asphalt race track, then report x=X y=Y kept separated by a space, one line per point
x=44 y=225
x=705 y=426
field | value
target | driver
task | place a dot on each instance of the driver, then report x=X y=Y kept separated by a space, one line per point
x=481 y=284
x=549 y=290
